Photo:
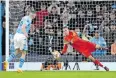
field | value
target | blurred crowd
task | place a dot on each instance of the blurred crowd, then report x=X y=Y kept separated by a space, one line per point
x=93 y=21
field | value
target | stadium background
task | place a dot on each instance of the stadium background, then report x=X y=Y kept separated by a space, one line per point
x=84 y=16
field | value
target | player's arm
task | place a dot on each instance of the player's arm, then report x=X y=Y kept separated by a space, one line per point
x=24 y=30
x=73 y=37
x=56 y=54
x=24 y=24
x=112 y=50
x=66 y=43
x=64 y=50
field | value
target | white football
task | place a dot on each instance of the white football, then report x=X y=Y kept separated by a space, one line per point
x=56 y=54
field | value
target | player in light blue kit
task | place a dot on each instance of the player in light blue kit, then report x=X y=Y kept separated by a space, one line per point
x=20 y=40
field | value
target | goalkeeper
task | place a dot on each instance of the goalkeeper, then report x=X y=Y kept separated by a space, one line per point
x=20 y=40
x=84 y=47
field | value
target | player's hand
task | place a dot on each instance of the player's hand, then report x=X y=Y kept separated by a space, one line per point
x=61 y=53
x=113 y=53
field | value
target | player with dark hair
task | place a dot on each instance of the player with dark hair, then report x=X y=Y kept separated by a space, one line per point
x=83 y=47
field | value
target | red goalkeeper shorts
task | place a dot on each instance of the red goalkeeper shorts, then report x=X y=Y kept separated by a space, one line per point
x=84 y=47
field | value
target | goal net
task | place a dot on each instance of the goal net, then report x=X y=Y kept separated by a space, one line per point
x=93 y=20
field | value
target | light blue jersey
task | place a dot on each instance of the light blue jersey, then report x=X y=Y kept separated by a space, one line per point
x=26 y=20
x=100 y=41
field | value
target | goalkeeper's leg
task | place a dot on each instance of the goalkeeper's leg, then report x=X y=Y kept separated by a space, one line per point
x=100 y=47
x=97 y=62
x=11 y=57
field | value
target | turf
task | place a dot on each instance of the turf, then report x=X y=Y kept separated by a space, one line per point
x=58 y=74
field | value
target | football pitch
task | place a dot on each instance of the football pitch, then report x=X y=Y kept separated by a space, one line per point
x=59 y=74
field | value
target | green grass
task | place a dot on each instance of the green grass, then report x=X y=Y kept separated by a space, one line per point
x=59 y=74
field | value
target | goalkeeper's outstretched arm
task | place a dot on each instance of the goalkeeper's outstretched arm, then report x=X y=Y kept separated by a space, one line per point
x=64 y=50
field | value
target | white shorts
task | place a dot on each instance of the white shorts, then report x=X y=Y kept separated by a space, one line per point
x=20 y=41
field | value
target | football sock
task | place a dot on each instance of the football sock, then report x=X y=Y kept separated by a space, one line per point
x=97 y=62
x=12 y=56
x=22 y=60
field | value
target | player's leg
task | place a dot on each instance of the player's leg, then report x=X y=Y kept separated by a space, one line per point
x=17 y=50
x=24 y=49
x=97 y=62
x=21 y=61
x=100 y=47
x=11 y=57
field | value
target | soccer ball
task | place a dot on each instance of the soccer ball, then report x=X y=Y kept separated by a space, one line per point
x=56 y=54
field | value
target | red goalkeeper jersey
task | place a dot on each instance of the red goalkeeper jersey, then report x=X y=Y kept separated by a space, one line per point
x=82 y=46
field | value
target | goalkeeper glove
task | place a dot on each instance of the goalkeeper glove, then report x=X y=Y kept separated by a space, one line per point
x=61 y=53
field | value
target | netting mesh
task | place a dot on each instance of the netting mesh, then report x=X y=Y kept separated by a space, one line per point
x=87 y=18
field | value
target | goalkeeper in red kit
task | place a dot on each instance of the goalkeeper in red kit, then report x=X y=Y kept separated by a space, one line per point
x=83 y=47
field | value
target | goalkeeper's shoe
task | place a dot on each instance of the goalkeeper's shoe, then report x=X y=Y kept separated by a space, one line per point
x=106 y=68
x=19 y=70
x=5 y=65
